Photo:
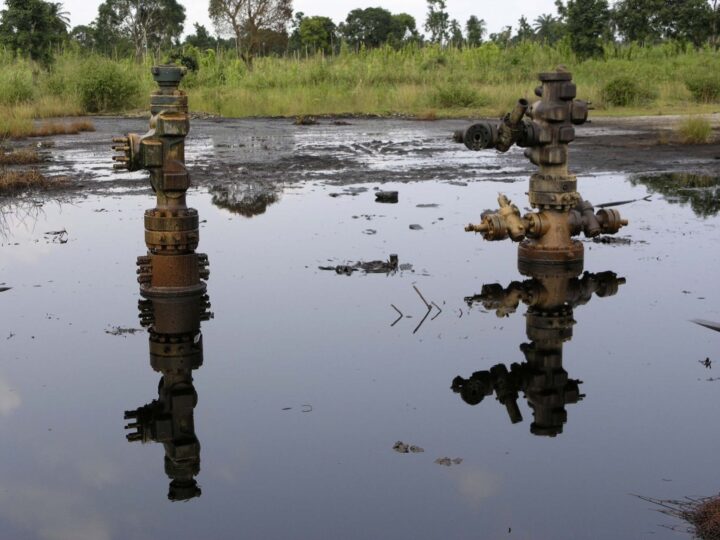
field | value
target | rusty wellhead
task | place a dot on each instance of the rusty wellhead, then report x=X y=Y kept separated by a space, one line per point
x=544 y=129
x=171 y=266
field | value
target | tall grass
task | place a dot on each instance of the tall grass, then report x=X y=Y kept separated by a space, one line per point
x=422 y=81
x=695 y=130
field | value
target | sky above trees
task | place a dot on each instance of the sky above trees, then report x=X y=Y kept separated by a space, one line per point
x=497 y=14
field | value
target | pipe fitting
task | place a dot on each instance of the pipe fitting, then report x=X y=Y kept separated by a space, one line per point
x=504 y=223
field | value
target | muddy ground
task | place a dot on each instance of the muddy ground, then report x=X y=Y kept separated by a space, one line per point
x=267 y=153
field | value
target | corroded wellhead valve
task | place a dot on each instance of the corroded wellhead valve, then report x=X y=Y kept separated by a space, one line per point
x=545 y=235
x=171 y=228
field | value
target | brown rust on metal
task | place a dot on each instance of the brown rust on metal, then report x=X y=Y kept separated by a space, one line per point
x=544 y=129
x=171 y=228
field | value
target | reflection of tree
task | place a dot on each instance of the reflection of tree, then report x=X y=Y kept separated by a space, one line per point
x=701 y=192
x=14 y=213
x=247 y=199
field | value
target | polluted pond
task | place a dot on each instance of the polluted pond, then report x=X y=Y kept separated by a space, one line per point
x=435 y=387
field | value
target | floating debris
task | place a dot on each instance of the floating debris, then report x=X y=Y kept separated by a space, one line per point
x=373 y=267
x=416 y=227
x=390 y=197
x=57 y=237
x=122 y=331
x=616 y=241
x=403 y=448
x=448 y=462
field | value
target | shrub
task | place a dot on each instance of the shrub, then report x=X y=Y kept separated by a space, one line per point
x=695 y=130
x=704 y=88
x=107 y=87
x=453 y=96
x=624 y=91
x=16 y=86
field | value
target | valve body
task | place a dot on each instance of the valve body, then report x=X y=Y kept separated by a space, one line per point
x=544 y=129
x=171 y=228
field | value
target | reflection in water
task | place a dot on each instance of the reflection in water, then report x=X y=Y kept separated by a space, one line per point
x=701 y=192
x=248 y=199
x=546 y=385
x=176 y=350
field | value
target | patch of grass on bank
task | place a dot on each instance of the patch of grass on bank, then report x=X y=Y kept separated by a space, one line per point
x=427 y=82
x=695 y=130
x=20 y=156
x=12 y=181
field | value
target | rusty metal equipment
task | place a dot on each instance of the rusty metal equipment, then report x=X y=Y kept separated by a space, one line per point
x=551 y=298
x=545 y=130
x=171 y=228
x=176 y=349
x=172 y=281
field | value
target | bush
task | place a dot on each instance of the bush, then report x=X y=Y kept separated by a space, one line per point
x=625 y=91
x=107 y=87
x=16 y=87
x=695 y=130
x=454 y=96
x=704 y=88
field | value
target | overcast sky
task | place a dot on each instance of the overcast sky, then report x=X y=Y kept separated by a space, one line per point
x=497 y=13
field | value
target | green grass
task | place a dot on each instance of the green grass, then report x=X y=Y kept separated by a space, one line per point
x=695 y=130
x=427 y=82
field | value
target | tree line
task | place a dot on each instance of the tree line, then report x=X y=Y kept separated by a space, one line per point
x=36 y=28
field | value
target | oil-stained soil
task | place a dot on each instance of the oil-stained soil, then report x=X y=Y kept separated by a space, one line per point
x=266 y=154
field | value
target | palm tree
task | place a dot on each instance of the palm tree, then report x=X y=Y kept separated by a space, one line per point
x=548 y=28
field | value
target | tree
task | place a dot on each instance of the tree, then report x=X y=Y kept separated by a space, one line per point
x=587 y=23
x=294 y=41
x=247 y=19
x=149 y=25
x=475 y=31
x=201 y=39
x=525 y=32
x=370 y=27
x=438 y=21
x=317 y=34
x=404 y=29
x=650 y=21
x=33 y=28
x=456 y=35
x=502 y=39
x=549 y=29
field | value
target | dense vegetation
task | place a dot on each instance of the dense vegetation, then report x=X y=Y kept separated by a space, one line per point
x=648 y=56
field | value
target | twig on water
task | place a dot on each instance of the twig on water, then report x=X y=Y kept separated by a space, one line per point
x=438 y=313
x=423 y=320
x=422 y=298
x=400 y=315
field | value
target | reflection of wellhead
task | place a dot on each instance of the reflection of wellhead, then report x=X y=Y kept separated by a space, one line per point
x=549 y=323
x=176 y=350
x=545 y=235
